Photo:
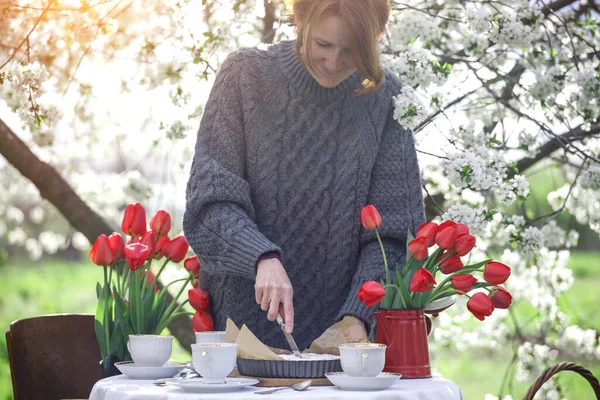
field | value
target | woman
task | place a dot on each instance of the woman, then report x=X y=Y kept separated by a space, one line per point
x=294 y=141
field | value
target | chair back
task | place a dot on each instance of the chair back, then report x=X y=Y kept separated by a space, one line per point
x=53 y=356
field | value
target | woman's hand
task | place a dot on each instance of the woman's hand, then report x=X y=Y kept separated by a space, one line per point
x=273 y=288
x=348 y=330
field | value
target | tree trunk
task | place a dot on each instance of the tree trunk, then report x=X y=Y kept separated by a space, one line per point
x=57 y=191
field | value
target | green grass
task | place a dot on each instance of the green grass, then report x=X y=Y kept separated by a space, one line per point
x=30 y=290
x=61 y=286
x=53 y=287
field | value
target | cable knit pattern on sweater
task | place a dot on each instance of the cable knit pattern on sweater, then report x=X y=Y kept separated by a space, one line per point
x=283 y=164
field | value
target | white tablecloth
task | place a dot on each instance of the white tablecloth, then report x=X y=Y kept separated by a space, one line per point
x=122 y=388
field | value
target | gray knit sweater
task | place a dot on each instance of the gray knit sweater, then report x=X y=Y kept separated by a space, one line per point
x=283 y=164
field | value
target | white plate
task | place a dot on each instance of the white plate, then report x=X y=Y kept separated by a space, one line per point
x=198 y=385
x=132 y=371
x=440 y=305
x=346 y=382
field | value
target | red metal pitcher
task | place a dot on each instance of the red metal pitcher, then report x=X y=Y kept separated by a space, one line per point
x=405 y=334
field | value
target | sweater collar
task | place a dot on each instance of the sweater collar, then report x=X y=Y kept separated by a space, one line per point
x=303 y=81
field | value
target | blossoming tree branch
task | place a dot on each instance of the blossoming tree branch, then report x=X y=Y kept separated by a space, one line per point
x=494 y=92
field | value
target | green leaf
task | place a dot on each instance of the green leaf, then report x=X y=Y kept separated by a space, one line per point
x=101 y=338
x=122 y=313
x=99 y=327
x=405 y=292
x=388 y=300
x=148 y=301
x=117 y=343
x=476 y=265
x=480 y=285
x=98 y=290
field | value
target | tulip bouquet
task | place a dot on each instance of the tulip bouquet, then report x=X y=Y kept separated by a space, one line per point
x=129 y=301
x=414 y=285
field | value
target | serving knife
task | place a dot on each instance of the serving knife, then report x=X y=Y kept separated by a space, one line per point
x=289 y=337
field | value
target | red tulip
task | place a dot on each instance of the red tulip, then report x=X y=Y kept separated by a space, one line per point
x=480 y=306
x=161 y=223
x=136 y=254
x=496 y=273
x=101 y=253
x=199 y=299
x=176 y=249
x=422 y=281
x=501 y=298
x=428 y=230
x=450 y=264
x=418 y=248
x=446 y=224
x=446 y=235
x=149 y=239
x=463 y=282
x=192 y=265
x=116 y=245
x=202 y=321
x=371 y=293
x=461 y=229
x=369 y=217
x=134 y=220
x=464 y=244
x=158 y=249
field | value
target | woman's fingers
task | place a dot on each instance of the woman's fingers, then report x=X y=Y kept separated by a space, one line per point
x=273 y=290
x=288 y=313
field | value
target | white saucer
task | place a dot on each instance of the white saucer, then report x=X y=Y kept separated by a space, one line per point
x=366 y=383
x=198 y=385
x=132 y=371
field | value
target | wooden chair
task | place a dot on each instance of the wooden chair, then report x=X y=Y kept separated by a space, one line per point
x=53 y=356
x=563 y=366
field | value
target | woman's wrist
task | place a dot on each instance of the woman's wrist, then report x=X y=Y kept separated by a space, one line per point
x=268 y=256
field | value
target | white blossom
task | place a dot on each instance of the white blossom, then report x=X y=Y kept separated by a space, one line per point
x=51 y=241
x=475 y=219
x=578 y=341
x=14 y=215
x=409 y=111
x=17 y=236
x=34 y=249
x=37 y=214
x=80 y=242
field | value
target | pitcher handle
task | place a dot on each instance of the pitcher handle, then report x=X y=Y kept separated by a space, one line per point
x=428 y=324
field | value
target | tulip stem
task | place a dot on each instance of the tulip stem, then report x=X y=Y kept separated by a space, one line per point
x=110 y=277
x=385 y=265
x=433 y=259
x=125 y=277
x=118 y=286
x=171 y=316
x=161 y=269
x=147 y=269
x=399 y=293
x=440 y=294
x=164 y=319
x=106 y=320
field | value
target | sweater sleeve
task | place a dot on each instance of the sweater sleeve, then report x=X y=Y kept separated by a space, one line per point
x=395 y=190
x=219 y=216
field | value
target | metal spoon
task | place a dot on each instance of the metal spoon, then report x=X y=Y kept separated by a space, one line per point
x=300 y=386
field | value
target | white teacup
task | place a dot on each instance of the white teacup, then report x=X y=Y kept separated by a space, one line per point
x=362 y=359
x=150 y=350
x=211 y=337
x=214 y=361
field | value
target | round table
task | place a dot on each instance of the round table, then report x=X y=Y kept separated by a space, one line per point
x=122 y=388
